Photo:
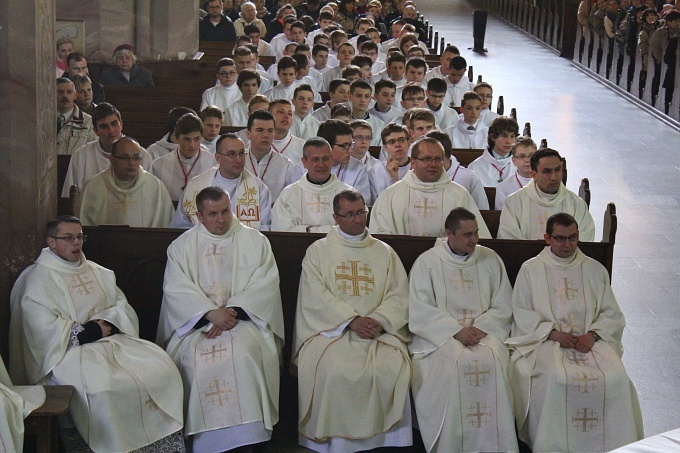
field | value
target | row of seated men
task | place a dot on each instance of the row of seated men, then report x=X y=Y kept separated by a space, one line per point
x=286 y=184
x=479 y=358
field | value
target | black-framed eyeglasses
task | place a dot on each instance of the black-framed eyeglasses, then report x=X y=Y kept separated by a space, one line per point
x=563 y=239
x=232 y=154
x=353 y=215
x=345 y=146
x=72 y=239
x=429 y=160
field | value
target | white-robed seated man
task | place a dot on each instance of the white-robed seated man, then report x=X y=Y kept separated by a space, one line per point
x=387 y=172
x=349 y=170
x=495 y=164
x=190 y=159
x=350 y=339
x=460 y=315
x=126 y=194
x=250 y=197
x=71 y=325
x=16 y=403
x=262 y=160
x=284 y=142
x=571 y=390
x=419 y=203
x=526 y=211
x=94 y=157
x=306 y=205
x=225 y=92
x=222 y=323
x=168 y=143
x=459 y=174
x=522 y=151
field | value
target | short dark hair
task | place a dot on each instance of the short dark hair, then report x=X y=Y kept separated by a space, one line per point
x=395 y=57
x=212 y=193
x=103 y=110
x=250 y=29
x=500 y=125
x=392 y=128
x=225 y=136
x=360 y=84
x=225 y=62
x=457 y=215
x=436 y=85
x=248 y=74
x=303 y=87
x=458 y=63
x=301 y=60
x=314 y=142
x=385 y=83
x=335 y=83
x=349 y=195
x=188 y=123
x=331 y=129
x=61 y=80
x=561 y=218
x=52 y=227
x=259 y=115
x=415 y=150
x=340 y=109
x=319 y=48
x=211 y=111
x=285 y=63
x=298 y=24
x=362 y=60
x=174 y=115
x=451 y=49
x=74 y=56
x=417 y=62
x=444 y=139
x=540 y=154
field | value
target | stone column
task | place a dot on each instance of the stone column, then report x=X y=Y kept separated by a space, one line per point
x=27 y=139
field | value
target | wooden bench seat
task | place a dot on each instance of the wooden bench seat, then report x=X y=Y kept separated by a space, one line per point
x=41 y=427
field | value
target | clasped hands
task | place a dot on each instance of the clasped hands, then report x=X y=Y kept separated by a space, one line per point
x=469 y=336
x=582 y=343
x=222 y=319
x=367 y=328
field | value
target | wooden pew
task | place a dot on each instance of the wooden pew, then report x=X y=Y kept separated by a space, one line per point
x=41 y=427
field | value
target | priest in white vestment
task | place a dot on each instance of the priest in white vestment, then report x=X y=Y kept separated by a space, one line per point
x=522 y=151
x=250 y=197
x=262 y=160
x=125 y=194
x=460 y=315
x=222 y=323
x=571 y=390
x=306 y=205
x=93 y=158
x=419 y=203
x=71 y=325
x=178 y=167
x=526 y=211
x=350 y=339
x=16 y=403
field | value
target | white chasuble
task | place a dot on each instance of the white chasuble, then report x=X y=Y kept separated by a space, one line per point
x=146 y=204
x=417 y=208
x=233 y=379
x=566 y=400
x=250 y=199
x=307 y=207
x=526 y=213
x=461 y=394
x=123 y=384
x=350 y=387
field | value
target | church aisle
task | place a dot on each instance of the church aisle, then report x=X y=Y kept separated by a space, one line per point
x=630 y=158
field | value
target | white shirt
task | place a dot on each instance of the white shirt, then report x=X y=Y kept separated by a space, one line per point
x=386 y=117
x=274 y=169
x=468 y=179
x=377 y=127
x=175 y=170
x=290 y=146
x=237 y=114
x=445 y=116
x=463 y=137
x=306 y=127
x=492 y=171
x=220 y=96
x=280 y=92
x=323 y=113
x=508 y=187
x=379 y=178
x=454 y=93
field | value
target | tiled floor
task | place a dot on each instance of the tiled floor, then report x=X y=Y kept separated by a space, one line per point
x=630 y=158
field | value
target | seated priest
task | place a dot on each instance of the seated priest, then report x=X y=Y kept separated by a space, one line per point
x=350 y=339
x=571 y=391
x=419 y=203
x=305 y=206
x=460 y=315
x=526 y=211
x=71 y=325
x=250 y=197
x=126 y=194
x=222 y=323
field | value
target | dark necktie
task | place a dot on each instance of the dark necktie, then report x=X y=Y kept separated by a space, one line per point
x=60 y=123
x=471 y=128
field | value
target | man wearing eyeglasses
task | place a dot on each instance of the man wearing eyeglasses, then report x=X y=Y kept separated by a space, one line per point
x=350 y=334
x=250 y=198
x=526 y=211
x=225 y=92
x=570 y=387
x=419 y=203
x=305 y=206
x=93 y=158
x=126 y=194
x=71 y=325
x=460 y=315
x=521 y=152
